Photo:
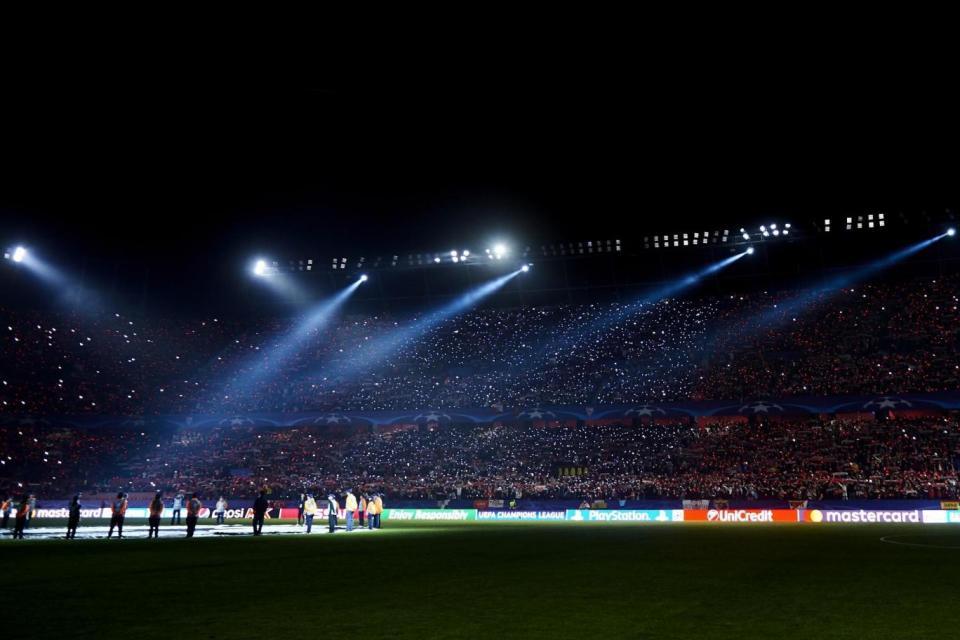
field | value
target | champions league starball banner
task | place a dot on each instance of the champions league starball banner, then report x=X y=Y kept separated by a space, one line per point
x=723 y=409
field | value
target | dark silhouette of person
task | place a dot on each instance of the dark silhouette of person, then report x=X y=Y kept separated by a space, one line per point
x=73 y=517
x=23 y=510
x=260 y=506
x=155 y=512
x=118 y=511
x=193 y=514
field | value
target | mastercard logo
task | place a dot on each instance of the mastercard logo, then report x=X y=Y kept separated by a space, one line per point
x=815 y=515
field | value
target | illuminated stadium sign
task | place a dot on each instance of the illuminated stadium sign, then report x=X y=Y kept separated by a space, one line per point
x=940 y=517
x=65 y=513
x=430 y=514
x=857 y=516
x=632 y=515
x=521 y=515
x=722 y=516
x=746 y=516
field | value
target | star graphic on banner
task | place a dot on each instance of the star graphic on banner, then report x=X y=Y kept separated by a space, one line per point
x=432 y=416
x=645 y=410
x=761 y=407
x=537 y=414
x=887 y=402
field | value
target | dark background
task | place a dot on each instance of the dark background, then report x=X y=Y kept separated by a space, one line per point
x=160 y=192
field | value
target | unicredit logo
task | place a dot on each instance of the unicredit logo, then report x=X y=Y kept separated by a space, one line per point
x=739 y=515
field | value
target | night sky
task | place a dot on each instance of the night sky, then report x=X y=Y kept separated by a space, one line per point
x=194 y=177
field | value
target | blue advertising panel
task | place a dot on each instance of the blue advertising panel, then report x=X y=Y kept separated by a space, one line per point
x=617 y=515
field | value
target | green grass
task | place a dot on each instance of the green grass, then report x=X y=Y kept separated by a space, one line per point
x=494 y=580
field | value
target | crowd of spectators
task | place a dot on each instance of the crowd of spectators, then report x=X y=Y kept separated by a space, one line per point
x=780 y=459
x=888 y=338
x=894 y=337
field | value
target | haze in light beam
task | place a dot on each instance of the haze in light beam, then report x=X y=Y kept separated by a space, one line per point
x=377 y=351
x=809 y=297
x=269 y=360
x=605 y=322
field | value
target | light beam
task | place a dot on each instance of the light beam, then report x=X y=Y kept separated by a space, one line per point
x=377 y=351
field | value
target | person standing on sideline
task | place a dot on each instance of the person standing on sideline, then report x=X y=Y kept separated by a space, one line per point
x=378 y=498
x=332 y=508
x=301 y=505
x=309 y=511
x=350 y=506
x=371 y=514
x=118 y=511
x=193 y=513
x=7 y=507
x=260 y=506
x=177 y=505
x=156 y=511
x=73 y=517
x=33 y=509
x=23 y=512
x=221 y=509
x=362 y=511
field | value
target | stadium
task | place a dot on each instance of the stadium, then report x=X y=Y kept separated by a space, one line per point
x=434 y=383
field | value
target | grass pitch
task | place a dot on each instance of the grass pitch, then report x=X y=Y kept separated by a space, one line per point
x=495 y=580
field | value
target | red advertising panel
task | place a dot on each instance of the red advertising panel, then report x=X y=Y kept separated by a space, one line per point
x=747 y=516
